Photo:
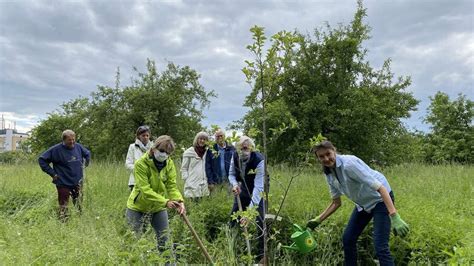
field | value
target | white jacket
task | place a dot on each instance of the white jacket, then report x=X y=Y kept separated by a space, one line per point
x=193 y=172
x=135 y=152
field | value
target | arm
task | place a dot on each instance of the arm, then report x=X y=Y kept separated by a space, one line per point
x=86 y=154
x=335 y=204
x=185 y=167
x=44 y=160
x=171 y=186
x=258 y=184
x=387 y=200
x=232 y=178
x=130 y=160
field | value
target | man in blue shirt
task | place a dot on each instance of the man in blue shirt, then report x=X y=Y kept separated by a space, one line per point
x=68 y=159
x=218 y=160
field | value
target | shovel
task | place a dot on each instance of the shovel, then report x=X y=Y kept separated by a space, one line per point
x=249 y=249
x=198 y=240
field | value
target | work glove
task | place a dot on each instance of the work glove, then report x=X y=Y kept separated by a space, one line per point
x=399 y=226
x=313 y=223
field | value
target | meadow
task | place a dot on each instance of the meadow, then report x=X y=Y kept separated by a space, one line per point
x=435 y=200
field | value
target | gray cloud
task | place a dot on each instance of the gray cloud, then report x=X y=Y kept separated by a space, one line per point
x=51 y=52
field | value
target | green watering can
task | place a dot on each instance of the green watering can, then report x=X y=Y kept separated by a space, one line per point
x=303 y=240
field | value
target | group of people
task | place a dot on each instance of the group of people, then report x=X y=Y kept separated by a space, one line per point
x=204 y=168
x=154 y=189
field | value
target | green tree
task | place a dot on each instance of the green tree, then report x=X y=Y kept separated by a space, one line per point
x=452 y=135
x=170 y=103
x=326 y=85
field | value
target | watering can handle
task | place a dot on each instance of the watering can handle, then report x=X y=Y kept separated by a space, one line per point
x=297 y=227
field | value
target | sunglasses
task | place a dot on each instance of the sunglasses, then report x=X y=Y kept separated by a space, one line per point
x=142 y=129
x=162 y=150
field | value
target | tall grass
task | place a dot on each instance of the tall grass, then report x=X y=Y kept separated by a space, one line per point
x=435 y=200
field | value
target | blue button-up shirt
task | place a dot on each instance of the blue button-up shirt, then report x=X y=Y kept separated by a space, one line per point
x=355 y=179
x=221 y=160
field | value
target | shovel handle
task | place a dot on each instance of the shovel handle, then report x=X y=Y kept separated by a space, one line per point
x=198 y=240
x=247 y=241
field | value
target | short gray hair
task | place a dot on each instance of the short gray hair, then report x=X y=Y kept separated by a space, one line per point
x=67 y=133
x=245 y=139
x=199 y=135
x=219 y=130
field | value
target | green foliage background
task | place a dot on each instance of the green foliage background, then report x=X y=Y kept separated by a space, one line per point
x=170 y=103
x=435 y=200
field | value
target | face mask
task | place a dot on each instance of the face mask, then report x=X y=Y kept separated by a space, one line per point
x=245 y=155
x=160 y=156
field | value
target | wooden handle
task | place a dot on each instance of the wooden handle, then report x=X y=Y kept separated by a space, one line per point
x=249 y=248
x=198 y=240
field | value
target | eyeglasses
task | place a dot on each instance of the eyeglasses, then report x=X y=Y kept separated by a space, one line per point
x=162 y=150
x=245 y=148
x=219 y=136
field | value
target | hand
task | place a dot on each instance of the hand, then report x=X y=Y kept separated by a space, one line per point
x=180 y=208
x=399 y=226
x=55 y=177
x=171 y=204
x=236 y=190
x=244 y=221
x=313 y=223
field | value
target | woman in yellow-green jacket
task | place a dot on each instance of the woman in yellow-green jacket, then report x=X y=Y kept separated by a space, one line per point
x=155 y=190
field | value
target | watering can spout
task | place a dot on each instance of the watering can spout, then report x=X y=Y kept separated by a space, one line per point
x=292 y=247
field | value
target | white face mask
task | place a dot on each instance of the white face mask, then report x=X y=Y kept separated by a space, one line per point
x=160 y=156
x=244 y=155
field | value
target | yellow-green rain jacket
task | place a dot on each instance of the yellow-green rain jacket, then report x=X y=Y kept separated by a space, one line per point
x=153 y=189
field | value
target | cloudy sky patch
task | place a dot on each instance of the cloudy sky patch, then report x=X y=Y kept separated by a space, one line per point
x=54 y=51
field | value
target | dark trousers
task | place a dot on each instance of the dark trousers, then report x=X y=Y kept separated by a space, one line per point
x=381 y=233
x=63 y=198
x=245 y=200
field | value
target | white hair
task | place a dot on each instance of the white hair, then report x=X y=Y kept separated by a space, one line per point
x=199 y=135
x=245 y=139
x=219 y=131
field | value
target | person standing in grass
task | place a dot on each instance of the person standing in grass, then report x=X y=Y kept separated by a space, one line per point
x=69 y=160
x=218 y=160
x=372 y=195
x=136 y=150
x=155 y=190
x=193 y=168
x=246 y=174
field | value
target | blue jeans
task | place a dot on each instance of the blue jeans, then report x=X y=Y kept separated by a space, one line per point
x=381 y=233
x=158 y=220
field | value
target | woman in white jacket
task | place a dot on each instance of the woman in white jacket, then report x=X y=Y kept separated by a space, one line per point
x=193 y=168
x=136 y=150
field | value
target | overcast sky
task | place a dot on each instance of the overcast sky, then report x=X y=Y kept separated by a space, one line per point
x=54 y=51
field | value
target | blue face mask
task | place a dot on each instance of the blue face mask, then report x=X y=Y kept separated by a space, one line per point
x=160 y=156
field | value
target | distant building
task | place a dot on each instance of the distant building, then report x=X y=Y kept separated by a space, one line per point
x=10 y=139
